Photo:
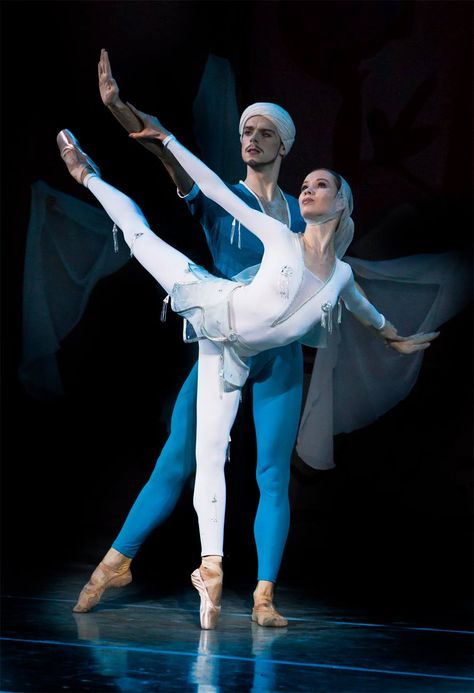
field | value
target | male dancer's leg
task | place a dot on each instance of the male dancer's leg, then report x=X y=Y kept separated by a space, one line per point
x=176 y=463
x=277 y=392
x=277 y=395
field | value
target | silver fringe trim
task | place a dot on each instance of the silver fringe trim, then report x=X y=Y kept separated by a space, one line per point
x=221 y=375
x=284 y=282
x=326 y=317
x=115 y=239
x=164 y=308
x=232 y=233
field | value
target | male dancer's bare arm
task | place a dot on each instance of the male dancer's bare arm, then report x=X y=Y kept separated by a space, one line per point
x=110 y=96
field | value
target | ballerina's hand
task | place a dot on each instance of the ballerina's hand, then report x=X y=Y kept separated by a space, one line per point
x=108 y=87
x=413 y=343
x=389 y=332
x=152 y=128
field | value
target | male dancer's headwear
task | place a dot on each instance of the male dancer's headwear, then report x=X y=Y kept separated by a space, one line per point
x=280 y=118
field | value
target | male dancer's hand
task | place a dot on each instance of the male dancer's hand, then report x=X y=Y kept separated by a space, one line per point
x=109 y=93
x=144 y=126
x=108 y=87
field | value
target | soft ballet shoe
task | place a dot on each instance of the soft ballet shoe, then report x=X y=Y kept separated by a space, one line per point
x=79 y=164
x=265 y=614
x=102 y=578
x=208 y=612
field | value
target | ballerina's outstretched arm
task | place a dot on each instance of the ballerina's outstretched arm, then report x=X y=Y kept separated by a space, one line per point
x=357 y=303
x=260 y=224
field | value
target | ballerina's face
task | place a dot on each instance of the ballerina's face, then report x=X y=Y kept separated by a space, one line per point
x=318 y=192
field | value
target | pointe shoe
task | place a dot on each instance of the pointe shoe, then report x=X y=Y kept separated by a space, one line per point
x=208 y=612
x=102 y=578
x=77 y=161
x=265 y=614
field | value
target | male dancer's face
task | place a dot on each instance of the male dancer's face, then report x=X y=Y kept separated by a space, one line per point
x=261 y=143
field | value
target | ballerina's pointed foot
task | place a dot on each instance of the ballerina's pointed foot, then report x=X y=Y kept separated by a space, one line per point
x=265 y=614
x=78 y=163
x=103 y=577
x=209 y=611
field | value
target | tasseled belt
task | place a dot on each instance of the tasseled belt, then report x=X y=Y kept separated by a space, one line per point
x=326 y=315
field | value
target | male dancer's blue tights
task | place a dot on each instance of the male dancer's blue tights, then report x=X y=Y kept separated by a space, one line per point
x=276 y=377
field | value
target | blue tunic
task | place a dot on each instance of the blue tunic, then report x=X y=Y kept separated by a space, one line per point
x=234 y=248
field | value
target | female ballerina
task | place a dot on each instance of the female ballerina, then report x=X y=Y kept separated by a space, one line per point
x=296 y=290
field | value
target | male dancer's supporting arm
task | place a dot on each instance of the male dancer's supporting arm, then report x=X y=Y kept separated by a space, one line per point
x=110 y=96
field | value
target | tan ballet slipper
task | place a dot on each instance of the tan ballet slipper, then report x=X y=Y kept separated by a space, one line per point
x=112 y=571
x=264 y=612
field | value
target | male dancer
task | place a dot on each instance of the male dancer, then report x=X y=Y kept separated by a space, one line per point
x=267 y=133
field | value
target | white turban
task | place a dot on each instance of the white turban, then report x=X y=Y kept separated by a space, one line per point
x=278 y=116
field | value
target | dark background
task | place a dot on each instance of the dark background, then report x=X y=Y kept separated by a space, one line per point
x=381 y=91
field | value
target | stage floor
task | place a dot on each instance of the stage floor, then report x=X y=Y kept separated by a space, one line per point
x=142 y=639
